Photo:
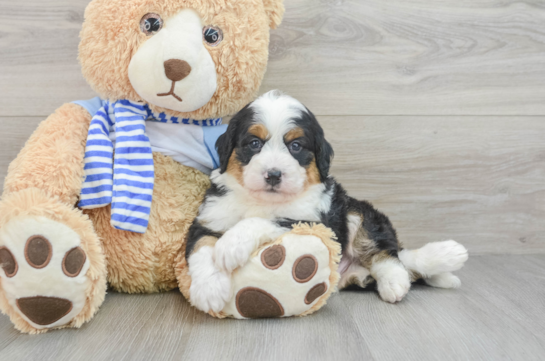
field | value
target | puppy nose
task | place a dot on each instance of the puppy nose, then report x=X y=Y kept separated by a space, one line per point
x=176 y=69
x=274 y=177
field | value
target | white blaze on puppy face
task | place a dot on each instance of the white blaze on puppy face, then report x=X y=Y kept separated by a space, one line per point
x=277 y=113
x=179 y=41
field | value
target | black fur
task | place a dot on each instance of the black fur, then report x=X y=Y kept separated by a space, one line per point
x=196 y=232
x=215 y=191
x=378 y=227
x=315 y=147
x=315 y=143
x=227 y=142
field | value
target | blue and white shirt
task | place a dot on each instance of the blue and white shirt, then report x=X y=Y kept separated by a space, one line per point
x=134 y=132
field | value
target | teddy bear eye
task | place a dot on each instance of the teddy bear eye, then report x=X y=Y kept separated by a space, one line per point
x=212 y=35
x=151 y=24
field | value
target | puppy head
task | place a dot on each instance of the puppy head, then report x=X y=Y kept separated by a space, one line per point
x=275 y=148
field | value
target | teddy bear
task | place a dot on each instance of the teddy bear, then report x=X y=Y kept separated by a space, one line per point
x=104 y=191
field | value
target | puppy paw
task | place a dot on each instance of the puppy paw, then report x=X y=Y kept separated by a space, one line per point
x=210 y=288
x=443 y=280
x=441 y=257
x=393 y=280
x=233 y=250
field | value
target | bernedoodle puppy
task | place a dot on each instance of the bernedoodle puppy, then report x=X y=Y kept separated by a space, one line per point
x=275 y=173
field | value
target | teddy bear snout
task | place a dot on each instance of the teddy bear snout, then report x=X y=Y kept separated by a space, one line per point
x=176 y=69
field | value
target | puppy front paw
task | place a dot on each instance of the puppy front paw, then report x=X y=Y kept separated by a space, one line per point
x=233 y=250
x=210 y=288
x=393 y=281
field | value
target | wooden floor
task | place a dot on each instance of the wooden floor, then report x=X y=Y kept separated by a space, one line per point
x=496 y=315
x=436 y=111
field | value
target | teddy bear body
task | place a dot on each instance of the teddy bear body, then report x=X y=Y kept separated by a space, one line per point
x=189 y=59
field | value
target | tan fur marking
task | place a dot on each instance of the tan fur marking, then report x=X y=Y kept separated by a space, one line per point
x=294 y=134
x=379 y=257
x=361 y=247
x=415 y=276
x=234 y=168
x=313 y=175
x=209 y=241
x=260 y=131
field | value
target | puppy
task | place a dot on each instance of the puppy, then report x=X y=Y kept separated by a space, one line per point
x=275 y=173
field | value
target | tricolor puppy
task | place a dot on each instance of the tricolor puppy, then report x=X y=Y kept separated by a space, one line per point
x=274 y=173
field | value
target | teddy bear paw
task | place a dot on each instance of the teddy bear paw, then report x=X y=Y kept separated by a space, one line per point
x=43 y=271
x=287 y=278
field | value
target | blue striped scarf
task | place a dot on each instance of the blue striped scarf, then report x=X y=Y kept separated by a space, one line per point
x=123 y=178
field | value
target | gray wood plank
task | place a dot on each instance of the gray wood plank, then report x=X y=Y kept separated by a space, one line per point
x=328 y=335
x=478 y=180
x=518 y=290
x=471 y=323
x=127 y=327
x=39 y=70
x=412 y=57
x=340 y=57
x=496 y=315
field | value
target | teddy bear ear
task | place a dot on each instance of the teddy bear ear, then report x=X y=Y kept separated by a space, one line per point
x=275 y=12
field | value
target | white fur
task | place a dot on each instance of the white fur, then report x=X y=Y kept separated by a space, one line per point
x=276 y=112
x=435 y=258
x=392 y=278
x=210 y=288
x=180 y=38
x=49 y=281
x=353 y=222
x=236 y=246
x=353 y=270
x=221 y=213
x=279 y=282
x=443 y=280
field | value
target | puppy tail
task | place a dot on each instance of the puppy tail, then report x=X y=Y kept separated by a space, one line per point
x=434 y=263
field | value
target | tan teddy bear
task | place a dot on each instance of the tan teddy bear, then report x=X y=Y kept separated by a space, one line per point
x=105 y=190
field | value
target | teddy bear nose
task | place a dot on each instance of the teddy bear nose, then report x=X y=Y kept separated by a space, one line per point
x=176 y=69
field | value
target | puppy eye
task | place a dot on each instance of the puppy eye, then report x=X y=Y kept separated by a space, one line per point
x=295 y=147
x=212 y=35
x=151 y=24
x=255 y=144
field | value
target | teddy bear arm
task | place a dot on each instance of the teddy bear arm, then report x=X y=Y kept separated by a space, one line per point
x=52 y=158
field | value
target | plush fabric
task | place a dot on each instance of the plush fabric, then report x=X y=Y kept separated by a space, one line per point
x=111 y=34
x=43 y=185
x=125 y=180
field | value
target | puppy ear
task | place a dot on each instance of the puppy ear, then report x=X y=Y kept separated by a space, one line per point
x=324 y=155
x=227 y=142
x=323 y=151
x=275 y=12
x=225 y=145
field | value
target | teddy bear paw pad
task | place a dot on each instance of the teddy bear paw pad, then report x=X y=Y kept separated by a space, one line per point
x=43 y=271
x=284 y=279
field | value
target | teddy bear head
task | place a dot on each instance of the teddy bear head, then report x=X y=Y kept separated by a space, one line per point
x=195 y=59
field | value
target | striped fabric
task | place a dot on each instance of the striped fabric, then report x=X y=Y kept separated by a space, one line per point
x=124 y=176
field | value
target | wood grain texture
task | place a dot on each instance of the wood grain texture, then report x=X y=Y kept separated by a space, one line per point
x=406 y=57
x=348 y=57
x=478 y=180
x=39 y=70
x=496 y=315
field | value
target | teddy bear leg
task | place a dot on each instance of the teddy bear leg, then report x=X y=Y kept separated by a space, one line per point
x=292 y=276
x=53 y=270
